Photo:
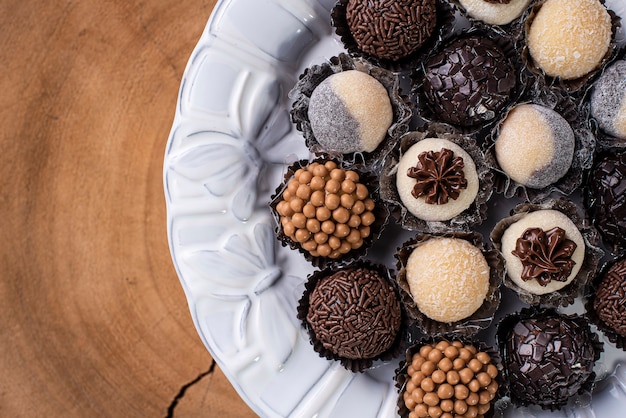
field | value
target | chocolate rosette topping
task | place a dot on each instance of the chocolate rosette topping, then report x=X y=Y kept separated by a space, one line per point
x=545 y=255
x=439 y=176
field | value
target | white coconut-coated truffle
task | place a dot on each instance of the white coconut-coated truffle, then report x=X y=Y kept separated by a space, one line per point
x=546 y=220
x=419 y=206
x=569 y=38
x=448 y=278
x=494 y=13
x=608 y=100
x=350 y=111
x=535 y=146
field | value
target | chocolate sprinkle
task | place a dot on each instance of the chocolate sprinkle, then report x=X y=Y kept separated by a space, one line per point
x=469 y=81
x=354 y=313
x=606 y=198
x=549 y=358
x=610 y=298
x=391 y=29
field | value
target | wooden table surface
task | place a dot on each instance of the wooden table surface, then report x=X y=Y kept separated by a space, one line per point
x=94 y=320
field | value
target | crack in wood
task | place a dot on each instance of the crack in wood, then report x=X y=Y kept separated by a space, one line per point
x=183 y=389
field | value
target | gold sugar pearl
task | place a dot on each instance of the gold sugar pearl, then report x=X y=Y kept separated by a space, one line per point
x=453 y=377
x=313 y=225
x=484 y=379
x=332 y=201
x=296 y=205
x=492 y=371
x=434 y=411
x=466 y=375
x=460 y=407
x=445 y=364
x=354 y=221
x=458 y=364
x=358 y=207
x=445 y=391
x=435 y=355
x=438 y=376
x=305 y=177
x=348 y=186
x=302 y=235
x=367 y=218
x=341 y=215
x=431 y=399
x=354 y=236
x=447 y=405
x=427 y=384
x=341 y=230
x=338 y=174
x=472 y=412
x=317 y=198
x=332 y=186
x=474 y=385
x=428 y=368
x=461 y=392
x=309 y=211
x=319 y=171
x=347 y=201
x=320 y=237
x=472 y=399
x=304 y=192
x=483 y=357
x=334 y=242
x=352 y=175
x=475 y=365
x=365 y=231
x=424 y=350
x=451 y=352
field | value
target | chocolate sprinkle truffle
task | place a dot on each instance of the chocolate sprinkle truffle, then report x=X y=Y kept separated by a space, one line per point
x=436 y=179
x=350 y=111
x=548 y=358
x=448 y=278
x=535 y=146
x=469 y=81
x=354 y=313
x=543 y=251
x=608 y=100
x=609 y=300
x=569 y=38
x=606 y=198
x=391 y=29
x=495 y=12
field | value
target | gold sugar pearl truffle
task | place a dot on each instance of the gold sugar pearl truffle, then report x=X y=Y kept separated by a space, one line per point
x=426 y=394
x=569 y=38
x=326 y=210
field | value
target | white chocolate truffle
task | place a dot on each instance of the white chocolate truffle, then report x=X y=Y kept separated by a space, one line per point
x=494 y=13
x=546 y=220
x=608 y=100
x=535 y=146
x=448 y=278
x=419 y=206
x=350 y=111
x=569 y=38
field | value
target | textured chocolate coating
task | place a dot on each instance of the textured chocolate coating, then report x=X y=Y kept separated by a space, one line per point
x=469 y=81
x=354 y=313
x=608 y=100
x=610 y=298
x=548 y=358
x=391 y=29
x=606 y=198
x=545 y=255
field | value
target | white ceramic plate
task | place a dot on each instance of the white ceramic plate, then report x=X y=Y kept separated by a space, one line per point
x=229 y=145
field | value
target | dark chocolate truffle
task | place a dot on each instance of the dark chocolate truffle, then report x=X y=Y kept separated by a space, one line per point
x=391 y=29
x=548 y=358
x=610 y=298
x=608 y=100
x=606 y=198
x=469 y=81
x=354 y=313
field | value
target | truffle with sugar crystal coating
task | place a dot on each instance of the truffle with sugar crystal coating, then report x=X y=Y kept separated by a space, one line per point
x=608 y=100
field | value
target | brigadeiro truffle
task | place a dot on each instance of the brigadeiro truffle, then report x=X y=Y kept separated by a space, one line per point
x=569 y=39
x=608 y=100
x=534 y=145
x=448 y=379
x=449 y=282
x=548 y=357
x=606 y=306
x=326 y=211
x=436 y=181
x=353 y=315
x=494 y=12
x=550 y=256
x=468 y=81
x=606 y=198
x=391 y=33
x=350 y=109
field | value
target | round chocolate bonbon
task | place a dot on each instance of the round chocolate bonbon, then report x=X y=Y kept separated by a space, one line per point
x=391 y=29
x=606 y=198
x=609 y=301
x=469 y=81
x=354 y=313
x=548 y=357
x=450 y=379
x=326 y=210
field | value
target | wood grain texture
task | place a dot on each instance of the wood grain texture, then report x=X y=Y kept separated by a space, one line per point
x=94 y=320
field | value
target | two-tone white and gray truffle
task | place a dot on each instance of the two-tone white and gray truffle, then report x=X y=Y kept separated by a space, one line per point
x=608 y=100
x=350 y=111
x=535 y=146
